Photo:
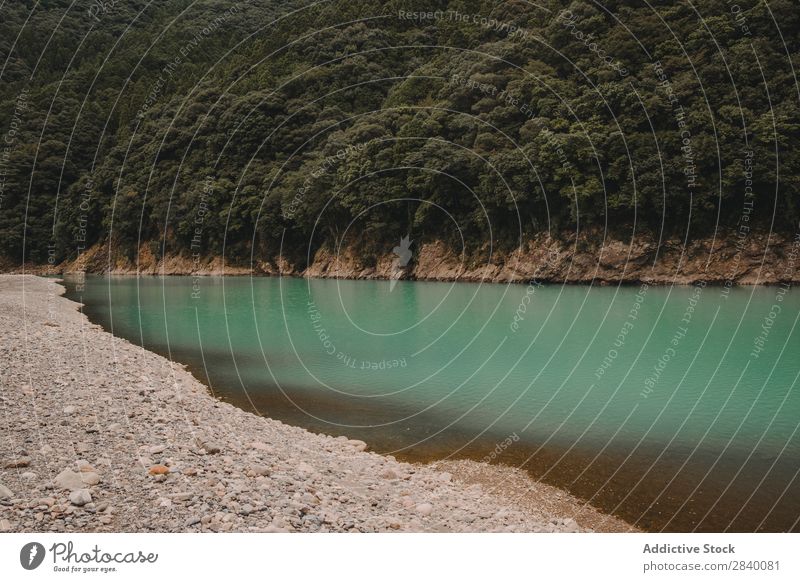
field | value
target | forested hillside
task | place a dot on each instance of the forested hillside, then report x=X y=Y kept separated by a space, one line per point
x=240 y=128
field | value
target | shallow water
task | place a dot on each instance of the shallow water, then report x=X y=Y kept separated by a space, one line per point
x=674 y=408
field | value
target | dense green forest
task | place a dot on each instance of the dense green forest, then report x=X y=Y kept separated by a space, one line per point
x=237 y=127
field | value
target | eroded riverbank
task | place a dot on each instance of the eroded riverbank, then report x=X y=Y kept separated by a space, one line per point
x=590 y=257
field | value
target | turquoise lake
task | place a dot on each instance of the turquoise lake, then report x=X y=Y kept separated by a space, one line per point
x=675 y=408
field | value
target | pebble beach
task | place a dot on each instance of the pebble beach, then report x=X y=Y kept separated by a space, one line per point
x=100 y=435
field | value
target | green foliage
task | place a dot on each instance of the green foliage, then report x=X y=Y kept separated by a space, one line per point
x=151 y=123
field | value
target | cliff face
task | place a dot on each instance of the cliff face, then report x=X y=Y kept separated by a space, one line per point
x=758 y=259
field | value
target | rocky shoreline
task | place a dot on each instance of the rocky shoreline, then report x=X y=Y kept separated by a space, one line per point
x=101 y=435
x=589 y=258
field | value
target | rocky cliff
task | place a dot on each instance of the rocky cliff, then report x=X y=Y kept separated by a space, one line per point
x=589 y=258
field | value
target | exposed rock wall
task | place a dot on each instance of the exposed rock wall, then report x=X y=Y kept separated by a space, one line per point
x=757 y=259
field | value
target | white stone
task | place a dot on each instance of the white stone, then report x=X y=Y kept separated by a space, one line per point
x=80 y=497
x=389 y=473
x=5 y=492
x=69 y=479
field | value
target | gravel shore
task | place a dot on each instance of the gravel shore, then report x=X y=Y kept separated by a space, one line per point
x=101 y=435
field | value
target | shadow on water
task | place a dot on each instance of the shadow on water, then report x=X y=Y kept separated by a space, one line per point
x=655 y=498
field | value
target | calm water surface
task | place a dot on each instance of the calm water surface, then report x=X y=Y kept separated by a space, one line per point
x=674 y=408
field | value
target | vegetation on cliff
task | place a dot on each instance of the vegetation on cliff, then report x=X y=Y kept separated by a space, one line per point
x=205 y=127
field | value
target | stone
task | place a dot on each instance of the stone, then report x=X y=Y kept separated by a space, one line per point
x=155 y=450
x=261 y=470
x=70 y=409
x=571 y=525
x=158 y=470
x=357 y=444
x=424 y=509
x=69 y=479
x=144 y=461
x=5 y=492
x=389 y=473
x=5 y=525
x=18 y=463
x=210 y=448
x=80 y=497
